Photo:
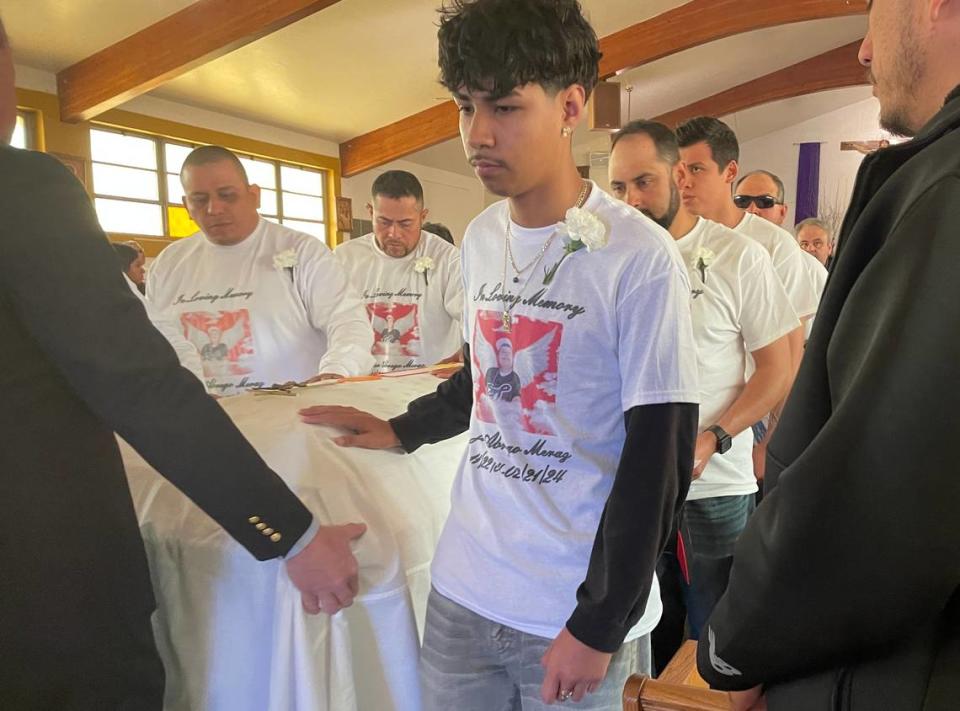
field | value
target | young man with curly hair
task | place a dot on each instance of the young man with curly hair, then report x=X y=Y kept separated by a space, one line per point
x=544 y=585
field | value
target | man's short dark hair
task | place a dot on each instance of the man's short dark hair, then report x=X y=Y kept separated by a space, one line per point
x=126 y=255
x=398 y=184
x=497 y=45
x=781 y=191
x=441 y=231
x=715 y=133
x=663 y=139
x=205 y=155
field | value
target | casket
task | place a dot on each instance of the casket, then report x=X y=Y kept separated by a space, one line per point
x=231 y=630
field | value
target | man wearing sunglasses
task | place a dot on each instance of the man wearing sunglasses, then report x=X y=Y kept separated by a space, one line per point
x=761 y=193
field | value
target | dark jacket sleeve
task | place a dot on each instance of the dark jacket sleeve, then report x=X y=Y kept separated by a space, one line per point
x=440 y=415
x=651 y=484
x=64 y=283
x=856 y=546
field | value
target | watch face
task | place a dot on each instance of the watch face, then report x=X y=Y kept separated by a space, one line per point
x=724 y=441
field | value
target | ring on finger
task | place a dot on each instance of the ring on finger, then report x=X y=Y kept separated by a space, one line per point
x=565 y=695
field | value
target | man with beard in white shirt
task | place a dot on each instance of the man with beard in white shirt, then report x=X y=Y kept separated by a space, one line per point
x=409 y=278
x=276 y=300
x=740 y=311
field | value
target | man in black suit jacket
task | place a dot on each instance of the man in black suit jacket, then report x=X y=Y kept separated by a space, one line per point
x=79 y=361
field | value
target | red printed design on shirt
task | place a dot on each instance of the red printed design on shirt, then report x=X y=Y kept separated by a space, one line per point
x=396 y=329
x=224 y=340
x=516 y=371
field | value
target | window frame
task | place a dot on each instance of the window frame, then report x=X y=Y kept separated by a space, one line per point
x=31 y=135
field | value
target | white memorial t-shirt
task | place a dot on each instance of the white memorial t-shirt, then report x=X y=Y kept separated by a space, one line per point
x=275 y=307
x=169 y=327
x=415 y=314
x=787 y=260
x=738 y=306
x=818 y=275
x=610 y=333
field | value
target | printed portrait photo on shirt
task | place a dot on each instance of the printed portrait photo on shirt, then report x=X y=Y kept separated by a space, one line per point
x=516 y=371
x=223 y=338
x=396 y=328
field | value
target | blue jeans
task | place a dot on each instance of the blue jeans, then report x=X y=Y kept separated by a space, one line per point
x=470 y=663
x=710 y=529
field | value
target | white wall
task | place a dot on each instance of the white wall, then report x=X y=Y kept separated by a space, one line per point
x=779 y=152
x=453 y=199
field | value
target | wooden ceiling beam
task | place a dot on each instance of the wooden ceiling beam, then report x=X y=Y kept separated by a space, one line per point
x=701 y=21
x=396 y=140
x=692 y=24
x=836 y=69
x=195 y=35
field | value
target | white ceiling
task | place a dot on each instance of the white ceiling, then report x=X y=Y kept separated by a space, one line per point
x=361 y=64
x=346 y=70
x=689 y=76
x=351 y=68
x=53 y=34
x=762 y=120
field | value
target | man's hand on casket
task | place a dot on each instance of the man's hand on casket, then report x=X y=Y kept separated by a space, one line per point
x=366 y=430
x=325 y=572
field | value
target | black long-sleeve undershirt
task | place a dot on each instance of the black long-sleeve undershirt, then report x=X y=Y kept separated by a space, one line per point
x=650 y=485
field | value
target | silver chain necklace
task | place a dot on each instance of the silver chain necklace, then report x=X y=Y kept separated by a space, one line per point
x=517 y=270
x=507 y=318
x=581 y=198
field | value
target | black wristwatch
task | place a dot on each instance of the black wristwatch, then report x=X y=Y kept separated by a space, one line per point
x=724 y=441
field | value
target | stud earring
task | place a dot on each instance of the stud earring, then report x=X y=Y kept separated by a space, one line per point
x=566 y=131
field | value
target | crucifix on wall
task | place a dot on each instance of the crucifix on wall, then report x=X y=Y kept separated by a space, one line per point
x=865 y=147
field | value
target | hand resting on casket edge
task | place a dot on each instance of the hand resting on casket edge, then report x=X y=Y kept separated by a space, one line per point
x=366 y=431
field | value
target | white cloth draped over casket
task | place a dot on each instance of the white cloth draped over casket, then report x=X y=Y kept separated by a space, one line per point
x=231 y=630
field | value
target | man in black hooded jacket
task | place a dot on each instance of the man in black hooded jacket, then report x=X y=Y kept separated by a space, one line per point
x=845 y=587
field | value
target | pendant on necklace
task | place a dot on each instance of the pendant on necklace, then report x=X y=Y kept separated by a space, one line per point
x=507 y=322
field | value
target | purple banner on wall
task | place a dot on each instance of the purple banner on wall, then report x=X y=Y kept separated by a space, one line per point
x=808 y=182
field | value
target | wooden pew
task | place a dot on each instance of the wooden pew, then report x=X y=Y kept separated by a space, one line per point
x=679 y=688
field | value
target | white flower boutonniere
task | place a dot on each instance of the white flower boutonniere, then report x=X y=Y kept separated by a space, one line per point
x=287 y=259
x=702 y=261
x=581 y=229
x=422 y=266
